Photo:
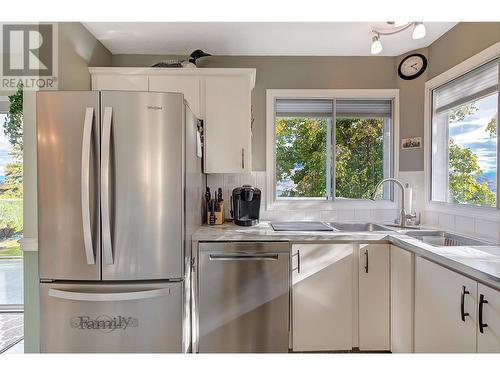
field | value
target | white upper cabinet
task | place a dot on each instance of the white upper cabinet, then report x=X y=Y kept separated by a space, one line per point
x=322 y=314
x=374 y=297
x=221 y=97
x=121 y=82
x=445 y=310
x=488 y=330
x=227 y=125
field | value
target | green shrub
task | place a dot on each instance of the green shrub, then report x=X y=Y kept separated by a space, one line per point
x=11 y=214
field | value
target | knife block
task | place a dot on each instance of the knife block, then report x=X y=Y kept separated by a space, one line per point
x=219 y=215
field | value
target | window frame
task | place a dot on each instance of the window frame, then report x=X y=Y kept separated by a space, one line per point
x=330 y=94
x=465 y=67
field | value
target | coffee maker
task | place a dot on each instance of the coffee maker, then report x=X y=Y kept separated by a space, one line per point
x=245 y=203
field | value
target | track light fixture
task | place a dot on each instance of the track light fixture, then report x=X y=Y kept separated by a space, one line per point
x=397 y=27
x=376 y=45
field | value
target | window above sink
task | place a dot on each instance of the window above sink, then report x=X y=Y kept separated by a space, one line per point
x=330 y=147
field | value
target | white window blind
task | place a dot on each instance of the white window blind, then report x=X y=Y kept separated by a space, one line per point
x=351 y=108
x=479 y=82
x=304 y=108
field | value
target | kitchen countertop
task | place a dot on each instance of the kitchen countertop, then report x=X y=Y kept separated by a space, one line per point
x=481 y=263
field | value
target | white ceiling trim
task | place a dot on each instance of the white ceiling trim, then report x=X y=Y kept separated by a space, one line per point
x=257 y=39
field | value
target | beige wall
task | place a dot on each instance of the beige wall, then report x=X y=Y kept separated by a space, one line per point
x=411 y=117
x=78 y=49
x=461 y=42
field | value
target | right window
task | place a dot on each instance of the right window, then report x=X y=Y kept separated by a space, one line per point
x=464 y=138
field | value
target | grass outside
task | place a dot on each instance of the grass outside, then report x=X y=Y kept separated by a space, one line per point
x=11 y=214
x=10 y=247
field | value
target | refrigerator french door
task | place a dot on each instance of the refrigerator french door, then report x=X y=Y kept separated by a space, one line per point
x=111 y=177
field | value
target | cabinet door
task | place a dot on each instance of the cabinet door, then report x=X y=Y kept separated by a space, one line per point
x=119 y=82
x=440 y=326
x=227 y=124
x=374 y=292
x=488 y=341
x=402 y=300
x=187 y=85
x=322 y=297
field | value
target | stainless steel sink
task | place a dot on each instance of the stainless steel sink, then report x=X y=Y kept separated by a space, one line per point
x=358 y=227
x=443 y=238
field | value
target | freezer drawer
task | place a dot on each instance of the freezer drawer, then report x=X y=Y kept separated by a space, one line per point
x=111 y=318
x=243 y=293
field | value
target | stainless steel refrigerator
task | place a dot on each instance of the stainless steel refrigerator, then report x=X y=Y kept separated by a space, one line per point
x=119 y=195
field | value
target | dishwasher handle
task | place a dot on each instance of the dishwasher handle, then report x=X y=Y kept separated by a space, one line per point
x=244 y=256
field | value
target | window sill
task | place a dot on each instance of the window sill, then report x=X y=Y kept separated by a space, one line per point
x=491 y=213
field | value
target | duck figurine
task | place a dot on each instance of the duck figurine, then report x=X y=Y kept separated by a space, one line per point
x=195 y=55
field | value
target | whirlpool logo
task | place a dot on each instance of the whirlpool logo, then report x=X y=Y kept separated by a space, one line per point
x=104 y=323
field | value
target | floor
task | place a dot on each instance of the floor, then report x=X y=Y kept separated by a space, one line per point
x=11 y=330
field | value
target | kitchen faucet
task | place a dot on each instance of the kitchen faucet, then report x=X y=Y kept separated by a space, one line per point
x=403 y=216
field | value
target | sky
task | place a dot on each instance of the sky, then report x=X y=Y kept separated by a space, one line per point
x=4 y=148
x=471 y=133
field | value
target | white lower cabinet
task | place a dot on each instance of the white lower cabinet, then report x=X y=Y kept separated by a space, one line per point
x=488 y=329
x=374 y=297
x=445 y=310
x=322 y=297
x=402 y=300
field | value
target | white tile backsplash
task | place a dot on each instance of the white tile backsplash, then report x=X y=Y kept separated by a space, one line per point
x=446 y=221
x=488 y=229
x=362 y=215
x=464 y=224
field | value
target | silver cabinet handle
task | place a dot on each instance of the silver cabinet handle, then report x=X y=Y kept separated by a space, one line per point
x=85 y=188
x=242 y=158
x=243 y=256
x=366 y=264
x=105 y=297
x=105 y=158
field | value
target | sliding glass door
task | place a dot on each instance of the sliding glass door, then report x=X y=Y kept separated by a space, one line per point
x=11 y=210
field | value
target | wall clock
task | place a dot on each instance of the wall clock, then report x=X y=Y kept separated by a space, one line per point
x=412 y=66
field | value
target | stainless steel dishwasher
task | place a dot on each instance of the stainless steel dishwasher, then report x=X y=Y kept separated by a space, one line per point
x=243 y=297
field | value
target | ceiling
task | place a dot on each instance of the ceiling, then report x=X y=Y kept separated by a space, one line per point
x=258 y=39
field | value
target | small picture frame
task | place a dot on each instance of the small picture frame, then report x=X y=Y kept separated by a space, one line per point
x=411 y=143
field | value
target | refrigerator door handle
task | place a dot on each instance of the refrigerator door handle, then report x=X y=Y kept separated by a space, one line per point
x=107 y=297
x=85 y=188
x=105 y=158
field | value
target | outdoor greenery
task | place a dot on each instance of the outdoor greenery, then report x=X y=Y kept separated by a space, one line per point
x=301 y=156
x=464 y=168
x=11 y=188
x=359 y=164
